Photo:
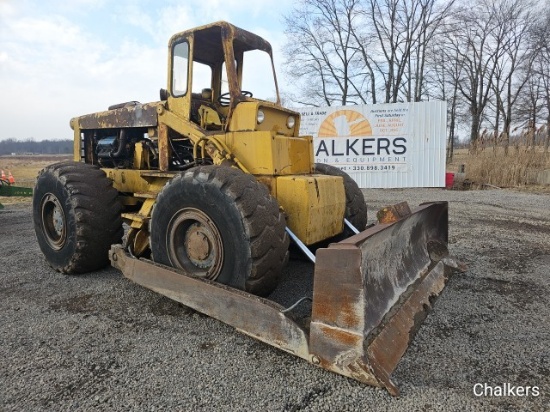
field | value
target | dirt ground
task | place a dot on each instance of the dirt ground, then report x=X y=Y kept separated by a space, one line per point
x=99 y=342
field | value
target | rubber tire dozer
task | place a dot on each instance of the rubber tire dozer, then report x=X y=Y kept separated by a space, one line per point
x=371 y=292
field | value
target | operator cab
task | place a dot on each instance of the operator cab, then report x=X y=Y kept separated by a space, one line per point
x=213 y=68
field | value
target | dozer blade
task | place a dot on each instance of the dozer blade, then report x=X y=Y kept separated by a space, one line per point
x=370 y=294
x=373 y=290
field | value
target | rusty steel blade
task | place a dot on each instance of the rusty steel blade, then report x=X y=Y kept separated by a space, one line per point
x=250 y=314
x=372 y=291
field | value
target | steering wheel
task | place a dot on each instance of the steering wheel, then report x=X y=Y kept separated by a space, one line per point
x=225 y=98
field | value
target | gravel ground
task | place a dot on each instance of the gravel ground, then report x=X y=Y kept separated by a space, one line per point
x=99 y=342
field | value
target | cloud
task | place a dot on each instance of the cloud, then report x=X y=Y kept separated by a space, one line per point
x=62 y=59
x=53 y=69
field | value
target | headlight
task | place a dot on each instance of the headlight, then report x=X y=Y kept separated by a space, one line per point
x=261 y=116
x=290 y=122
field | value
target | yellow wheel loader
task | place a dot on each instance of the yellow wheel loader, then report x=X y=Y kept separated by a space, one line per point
x=213 y=182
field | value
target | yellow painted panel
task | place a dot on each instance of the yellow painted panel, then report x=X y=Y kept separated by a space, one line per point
x=293 y=155
x=244 y=116
x=275 y=118
x=253 y=149
x=131 y=181
x=265 y=153
x=315 y=205
x=77 y=143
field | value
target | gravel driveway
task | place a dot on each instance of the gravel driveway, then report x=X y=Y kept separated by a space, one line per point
x=99 y=342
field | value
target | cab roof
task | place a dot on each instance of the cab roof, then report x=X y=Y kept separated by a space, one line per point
x=209 y=41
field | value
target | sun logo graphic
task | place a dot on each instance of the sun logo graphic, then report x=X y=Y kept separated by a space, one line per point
x=345 y=123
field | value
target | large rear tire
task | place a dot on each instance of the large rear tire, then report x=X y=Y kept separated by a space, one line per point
x=356 y=209
x=76 y=216
x=220 y=224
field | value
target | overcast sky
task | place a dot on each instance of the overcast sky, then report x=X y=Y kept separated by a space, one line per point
x=60 y=59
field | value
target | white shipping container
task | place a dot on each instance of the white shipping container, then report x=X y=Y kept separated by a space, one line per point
x=383 y=145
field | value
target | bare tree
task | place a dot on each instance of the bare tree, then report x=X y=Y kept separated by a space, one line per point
x=484 y=58
x=541 y=66
x=350 y=50
x=544 y=68
x=444 y=78
x=321 y=52
x=470 y=42
x=530 y=101
x=513 y=67
x=403 y=30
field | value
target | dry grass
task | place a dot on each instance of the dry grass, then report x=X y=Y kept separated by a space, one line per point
x=460 y=157
x=25 y=168
x=494 y=167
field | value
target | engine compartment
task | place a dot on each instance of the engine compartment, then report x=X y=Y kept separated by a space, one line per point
x=116 y=148
x=134 y=146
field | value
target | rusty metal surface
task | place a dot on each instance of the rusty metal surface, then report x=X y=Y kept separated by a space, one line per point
x=229 y=31
x=393 y=213
x=164 y=148
x=372 y=290
x=139 y=115
x=389 y=345
x=371 y=293
x=252 y=315
x=338 y=314
x=398 y=256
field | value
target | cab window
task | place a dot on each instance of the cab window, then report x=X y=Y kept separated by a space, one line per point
x=202 y=77
x=180 y=69
x=258 y=75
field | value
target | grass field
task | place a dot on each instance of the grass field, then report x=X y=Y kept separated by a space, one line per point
x=24 y=169
x=460 y=157
x=496 y=168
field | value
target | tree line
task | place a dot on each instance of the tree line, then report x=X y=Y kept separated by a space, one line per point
x=30 y=146
x=489 y=59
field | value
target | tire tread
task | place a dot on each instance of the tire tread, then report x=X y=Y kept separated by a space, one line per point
x=97 y=214
x=262 y=221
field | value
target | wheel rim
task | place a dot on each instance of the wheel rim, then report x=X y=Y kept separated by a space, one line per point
x=194 y=243
x=54 y=223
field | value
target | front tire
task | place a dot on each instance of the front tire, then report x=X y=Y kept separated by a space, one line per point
x=221 y=224
x=76 y=216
